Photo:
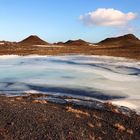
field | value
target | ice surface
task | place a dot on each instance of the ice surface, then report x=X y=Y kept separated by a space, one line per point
x=104 y=78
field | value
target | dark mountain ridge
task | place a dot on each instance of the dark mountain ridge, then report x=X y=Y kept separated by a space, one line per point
x=78 y=42
x=128 y=39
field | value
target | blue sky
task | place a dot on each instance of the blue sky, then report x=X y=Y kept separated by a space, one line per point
x=58 y=20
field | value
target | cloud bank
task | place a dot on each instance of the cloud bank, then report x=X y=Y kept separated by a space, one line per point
x=107 y=17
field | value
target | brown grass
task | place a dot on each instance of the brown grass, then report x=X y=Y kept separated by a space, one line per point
x=76 y=111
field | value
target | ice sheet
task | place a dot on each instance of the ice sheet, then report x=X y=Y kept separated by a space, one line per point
x=100 y=77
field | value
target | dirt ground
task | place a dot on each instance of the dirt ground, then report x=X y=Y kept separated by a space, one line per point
x=132 y=52
x=27 y=118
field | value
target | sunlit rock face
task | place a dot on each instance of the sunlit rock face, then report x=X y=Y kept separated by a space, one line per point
x=89 y=77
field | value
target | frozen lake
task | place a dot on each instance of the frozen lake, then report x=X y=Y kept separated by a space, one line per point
x=89 y=77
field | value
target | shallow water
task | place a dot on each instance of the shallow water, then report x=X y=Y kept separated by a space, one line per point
x=89 y=77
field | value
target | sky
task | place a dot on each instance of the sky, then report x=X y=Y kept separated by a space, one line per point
x=61 y=20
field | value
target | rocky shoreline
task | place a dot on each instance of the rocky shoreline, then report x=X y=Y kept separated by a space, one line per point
x=37 y=116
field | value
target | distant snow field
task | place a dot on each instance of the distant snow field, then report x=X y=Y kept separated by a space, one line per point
x=48 y=46
x=90 y=77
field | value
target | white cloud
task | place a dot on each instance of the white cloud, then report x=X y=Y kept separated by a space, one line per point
x=107 y=17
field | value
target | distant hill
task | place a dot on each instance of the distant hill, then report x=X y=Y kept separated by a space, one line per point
x=7 y=43
x=33 y=40
x=124 y=46
x=58 y=43
x=128 y=40
x=78 y=42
